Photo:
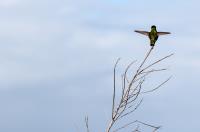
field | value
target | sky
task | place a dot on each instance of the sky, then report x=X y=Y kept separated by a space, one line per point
x=57 y=58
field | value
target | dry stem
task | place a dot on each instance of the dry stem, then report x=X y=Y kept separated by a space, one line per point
x=131 y=89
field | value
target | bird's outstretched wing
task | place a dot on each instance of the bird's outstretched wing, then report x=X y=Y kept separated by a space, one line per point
x=163 y=33
x=142 y=32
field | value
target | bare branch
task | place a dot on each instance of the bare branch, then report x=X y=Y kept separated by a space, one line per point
x=133 y=109
x=155 y=127
x=127 y=68
x=154 y=70
x=131 y=90
x=114 y=87
x=157 y=86
x=145 y=59
x=156 y=62
x=87 y=123
x=136 y=121
x=124 y=126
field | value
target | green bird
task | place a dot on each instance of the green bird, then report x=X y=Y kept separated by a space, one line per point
x=153 y=34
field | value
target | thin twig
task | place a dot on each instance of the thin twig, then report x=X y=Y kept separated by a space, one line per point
x=114 y=87
x=87 y=123
x=124 y=126
x=157 y=86
x=131 y=90
x=155 y=127
x=145 y=59
x=156 y=62
x=133 y=109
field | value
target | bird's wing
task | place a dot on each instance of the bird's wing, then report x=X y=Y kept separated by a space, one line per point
x=142 y=32
x=163 y=33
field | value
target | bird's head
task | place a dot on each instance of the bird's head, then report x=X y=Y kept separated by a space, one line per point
x=153 y=27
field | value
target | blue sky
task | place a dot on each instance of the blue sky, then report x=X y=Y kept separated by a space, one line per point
x=56 y=61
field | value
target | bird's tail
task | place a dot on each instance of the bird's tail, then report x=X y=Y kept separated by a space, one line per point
x=152 y=42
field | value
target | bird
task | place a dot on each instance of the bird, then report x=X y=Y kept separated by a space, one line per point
x=153 y=34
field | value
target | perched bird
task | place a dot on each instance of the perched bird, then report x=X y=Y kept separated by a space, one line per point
x=153 y=34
